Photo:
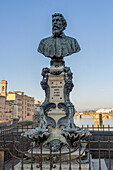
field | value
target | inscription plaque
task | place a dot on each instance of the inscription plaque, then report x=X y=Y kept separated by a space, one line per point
x=56 y=92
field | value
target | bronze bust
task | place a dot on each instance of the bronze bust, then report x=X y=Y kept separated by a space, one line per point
x=59 y=45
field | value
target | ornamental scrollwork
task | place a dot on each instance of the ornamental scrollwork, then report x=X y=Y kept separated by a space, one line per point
x=68 y=75
x=44 y=84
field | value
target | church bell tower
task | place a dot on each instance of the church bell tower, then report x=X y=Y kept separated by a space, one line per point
x=3 y=87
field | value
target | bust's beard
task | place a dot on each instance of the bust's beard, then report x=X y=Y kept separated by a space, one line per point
x=57 y=33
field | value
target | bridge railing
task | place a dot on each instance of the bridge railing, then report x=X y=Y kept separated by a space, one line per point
x=14 y=147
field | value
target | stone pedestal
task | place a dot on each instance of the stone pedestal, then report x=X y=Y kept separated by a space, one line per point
x=94 y=165
x=57 y=126
x=64 y=166
x=56 y=84
x=56 y=87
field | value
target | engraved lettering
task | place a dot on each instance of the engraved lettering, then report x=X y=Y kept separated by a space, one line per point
x=54 y=87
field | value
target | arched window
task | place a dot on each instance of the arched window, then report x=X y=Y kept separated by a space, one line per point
x=3 y=88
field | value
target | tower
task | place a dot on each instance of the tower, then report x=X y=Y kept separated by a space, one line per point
x=3 y=87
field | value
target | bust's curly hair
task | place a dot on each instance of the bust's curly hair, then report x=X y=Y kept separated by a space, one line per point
x=63 y=19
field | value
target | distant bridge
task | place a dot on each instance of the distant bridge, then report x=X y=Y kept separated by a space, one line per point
x=98 y=117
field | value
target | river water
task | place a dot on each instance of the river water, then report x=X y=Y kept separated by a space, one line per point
x=88 y=120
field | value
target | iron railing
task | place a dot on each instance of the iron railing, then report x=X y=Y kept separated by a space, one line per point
x=15 y=148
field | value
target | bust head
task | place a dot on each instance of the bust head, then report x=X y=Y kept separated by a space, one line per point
x=58 y=24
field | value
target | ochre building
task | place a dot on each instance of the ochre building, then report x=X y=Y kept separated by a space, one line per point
x=5 y=111
x=15 y=105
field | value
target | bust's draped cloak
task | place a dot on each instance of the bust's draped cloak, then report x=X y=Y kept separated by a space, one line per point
x=58 y=47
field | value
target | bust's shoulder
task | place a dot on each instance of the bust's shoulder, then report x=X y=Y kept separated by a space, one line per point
x=58 y=46
x=69 y=38
x=48 y=39
x=45 y=45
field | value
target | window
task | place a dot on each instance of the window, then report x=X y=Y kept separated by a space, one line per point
x=19 y=99
x=3 y=88
x=0 y=117
x=6 y=117
x=19 y=104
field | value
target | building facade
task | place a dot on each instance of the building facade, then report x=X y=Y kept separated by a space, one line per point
x=5 y=111
x=36 y=117
x=37 y=104
x=24 y=103
x=104 y=110
x=15 y=105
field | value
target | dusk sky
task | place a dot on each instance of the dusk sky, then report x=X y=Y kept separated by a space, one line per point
x=23 y=23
